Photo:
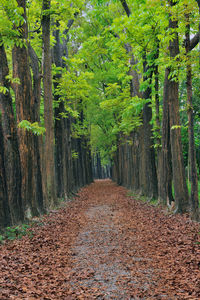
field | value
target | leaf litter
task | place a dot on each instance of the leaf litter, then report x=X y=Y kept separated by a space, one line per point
x=104 y=245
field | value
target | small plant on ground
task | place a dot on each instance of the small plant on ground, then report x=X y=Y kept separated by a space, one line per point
x=136 y=196
x=17 y=232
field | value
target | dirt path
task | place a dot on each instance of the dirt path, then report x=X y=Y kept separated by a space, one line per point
x=104 y=245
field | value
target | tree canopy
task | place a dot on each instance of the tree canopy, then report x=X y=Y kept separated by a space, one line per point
x=87 y=80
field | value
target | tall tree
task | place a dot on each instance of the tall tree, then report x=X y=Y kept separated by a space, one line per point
x=164 y=163
x=148 y=176
x=191 y=150
x=62 y=124
x=4 y=207
x=48 y=106
x=24 y=111
x=179 y=179
x=37 y=140
x=10 y=158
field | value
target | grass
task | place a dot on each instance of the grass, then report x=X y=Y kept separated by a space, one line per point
x=189 y=189
x=137 y=196
x=154 y=201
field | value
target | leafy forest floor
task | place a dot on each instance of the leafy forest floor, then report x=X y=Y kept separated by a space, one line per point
x=104 y=245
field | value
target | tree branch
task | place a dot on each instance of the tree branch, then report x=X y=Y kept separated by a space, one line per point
x=126 y=8
x=195 y=40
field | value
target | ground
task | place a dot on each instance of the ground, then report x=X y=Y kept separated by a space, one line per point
x=104 y=245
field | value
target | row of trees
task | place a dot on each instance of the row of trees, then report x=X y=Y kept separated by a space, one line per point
x=86 y=84
x=157 y=173
x=144 y=94
x=41 y=159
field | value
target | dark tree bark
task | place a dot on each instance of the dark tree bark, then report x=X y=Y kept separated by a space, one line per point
x=126 y=8
x=37 y=140
x=24 y=111
x=105 y=170
x=191 y=151
x=48 y=107
x=115 y=168
x=147 y=170
x=5 y=219
x=81 y=159
x=180 y=187
x=61 y=156
x=60 y=125
x=148 y=176
x=157 y=101
x=63 y=165
x=10 y=154
x=164 y=162
x=135 y=178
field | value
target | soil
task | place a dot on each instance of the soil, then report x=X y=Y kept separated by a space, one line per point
x=104 y=245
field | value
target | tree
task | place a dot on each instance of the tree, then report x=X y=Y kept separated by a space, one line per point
x=180 y=187
x=10 y=159
x=25 y=111
x=191 y=150
x=4 y=207
x=49 y=162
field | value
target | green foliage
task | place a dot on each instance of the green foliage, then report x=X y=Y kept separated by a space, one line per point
x=17 y=232
x=131 y=116
x=13 y=80
x=139 y=197
x=175 y=127
x=3 y=90
x=10 y=18
x=94 y=84
x=74 y=155
x=33 y=127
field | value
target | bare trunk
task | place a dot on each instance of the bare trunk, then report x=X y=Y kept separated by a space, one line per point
x=157 y=101
x=48 y=107
x=25 y=111
x=60 y=126
x=148 y=176
x=5 y=219
x=191 y=151
x=164 y=162
x=180 y=187
x=38 y=166
x=10 y=158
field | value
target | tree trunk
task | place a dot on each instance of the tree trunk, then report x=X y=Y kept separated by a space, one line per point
x=48 y=107
x=148 y=176
x=157 y=101
x=5 y=219
x=60 y=125
x=24 y=111
x=180 y=187
x=191 y=152
x=164 y=162
x=10 y=158
x=135 y=180
x=38 y=141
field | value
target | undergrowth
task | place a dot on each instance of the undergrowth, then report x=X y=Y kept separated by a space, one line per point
x=136 y=196
x=16 y=232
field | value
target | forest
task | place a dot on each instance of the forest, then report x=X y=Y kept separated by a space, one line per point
x=95 y=89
